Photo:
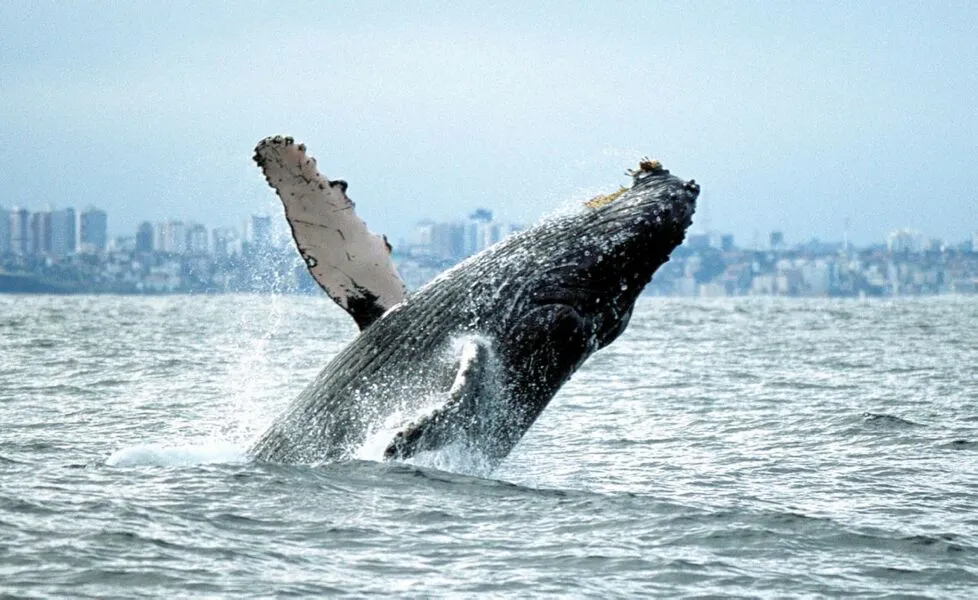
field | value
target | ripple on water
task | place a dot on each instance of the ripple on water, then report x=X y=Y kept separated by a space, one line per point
x=752 y=447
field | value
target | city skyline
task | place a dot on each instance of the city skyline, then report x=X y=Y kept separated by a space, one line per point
x=701 y=225
x=65 y=251
x=89 y=232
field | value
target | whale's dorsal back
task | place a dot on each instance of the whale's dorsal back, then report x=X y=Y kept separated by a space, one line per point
x=350 y=263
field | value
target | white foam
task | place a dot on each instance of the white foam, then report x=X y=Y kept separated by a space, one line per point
x=377 y=440
x=155 y=455
x=381 y=435
x=457 y=457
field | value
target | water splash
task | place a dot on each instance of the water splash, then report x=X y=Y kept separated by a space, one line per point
x=157 y=455
x=252 y=381
x=458 y=457
x=248 y=382
x=466 y=454
x=246 y=389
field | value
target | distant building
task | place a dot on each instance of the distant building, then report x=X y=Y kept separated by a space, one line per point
x=974 y=242
x=93 y=232
x=422 y=237
x=483 y=215
x=259 y=231
x=698 y=241
x=4 y=231
x=816 y=277
x=227 y=242
x=448 y=241
x=487 y=234
x=196 y=239
x=41 y=233
x=171 y=237
x=144 y=237
x=481 y=232
x=905 y=241
x=473 y=235
x=64 y=232
x=20 y=231
x=777 y=240
x=124 y=243
x=727 y=242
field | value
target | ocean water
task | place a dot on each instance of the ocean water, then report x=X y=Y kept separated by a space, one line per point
x=733 y=447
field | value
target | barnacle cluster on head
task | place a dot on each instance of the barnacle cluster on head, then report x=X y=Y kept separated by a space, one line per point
x=646 y=166
x=602 y=199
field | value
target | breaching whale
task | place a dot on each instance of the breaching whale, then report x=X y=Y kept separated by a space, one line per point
x=474 y=356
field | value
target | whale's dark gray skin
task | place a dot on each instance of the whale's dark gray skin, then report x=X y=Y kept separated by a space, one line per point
x=486 y=345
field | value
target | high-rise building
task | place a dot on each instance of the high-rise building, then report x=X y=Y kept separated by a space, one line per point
x=4 y=231
x=481 y=231
x=472 y=231
x=226 y=241
x=123 y=243
x=448 y=241
x=727 y=242
x=196 y=239
x=698 y=241
x=159 y=234
x=422 y=233
x=93 y=232
x=63 y=232
x=905 y=240
x=144 y=237
x=493 y=234
x=41 y=233
x=171 y=236
x=777 y=240
x=20 y=231
x=259 y=231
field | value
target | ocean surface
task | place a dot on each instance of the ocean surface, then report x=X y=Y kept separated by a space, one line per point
x=730 y=447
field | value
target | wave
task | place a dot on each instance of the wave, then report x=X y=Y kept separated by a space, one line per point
x=156 y=455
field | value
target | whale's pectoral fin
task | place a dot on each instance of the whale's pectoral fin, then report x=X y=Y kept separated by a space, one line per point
x=349 y=262
x=459 y=415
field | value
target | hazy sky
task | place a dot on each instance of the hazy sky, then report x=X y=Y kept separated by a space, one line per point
x=791 y=115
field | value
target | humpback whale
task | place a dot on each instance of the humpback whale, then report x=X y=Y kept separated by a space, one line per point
x=474 y=356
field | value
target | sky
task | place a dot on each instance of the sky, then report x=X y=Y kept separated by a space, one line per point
x=793 y=116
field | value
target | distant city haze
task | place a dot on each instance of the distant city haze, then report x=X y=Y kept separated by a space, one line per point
x=64 y=251
x=801 y=118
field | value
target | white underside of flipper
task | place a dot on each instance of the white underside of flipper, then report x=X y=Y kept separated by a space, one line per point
x=349 y=262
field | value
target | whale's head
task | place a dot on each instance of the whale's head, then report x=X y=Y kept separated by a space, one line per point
x=624 y=238
x=596 y=263
x=570 y=283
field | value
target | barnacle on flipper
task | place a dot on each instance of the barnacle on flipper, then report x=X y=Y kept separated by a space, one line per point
x=602 y=199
